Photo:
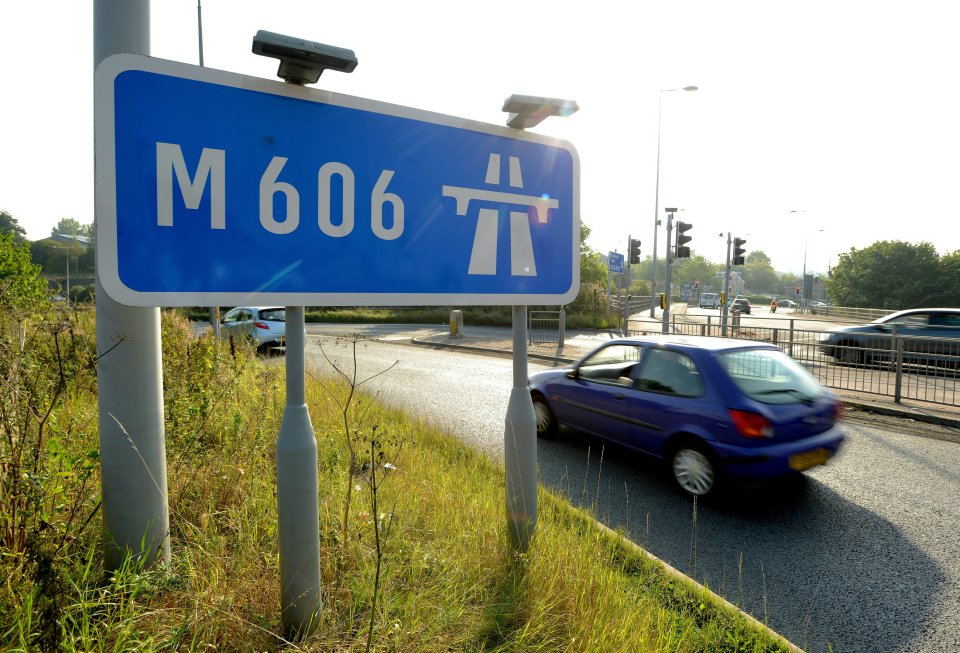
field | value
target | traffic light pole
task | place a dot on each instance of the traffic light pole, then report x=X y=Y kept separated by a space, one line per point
x=668 y=263
x=726 y=291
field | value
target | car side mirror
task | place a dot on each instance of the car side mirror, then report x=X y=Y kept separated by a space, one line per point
x=573 y=374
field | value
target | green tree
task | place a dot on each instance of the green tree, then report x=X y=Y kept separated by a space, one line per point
x=693 y=269
x=9 y=225
x=593 y=269
x=52 y=256
x=758 y=258
x=759 y=275
x=21 y=285
x=888 y=274
x=70 y=227
x=949 y=278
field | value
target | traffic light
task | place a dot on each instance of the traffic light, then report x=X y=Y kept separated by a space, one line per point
x=738 y=250
x=663 y=300
x=682 y=239
x=634 y=251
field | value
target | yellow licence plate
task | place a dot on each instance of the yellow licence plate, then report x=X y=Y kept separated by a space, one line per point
x=808 y=459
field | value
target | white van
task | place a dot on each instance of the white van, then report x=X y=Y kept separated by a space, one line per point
x=709 y=300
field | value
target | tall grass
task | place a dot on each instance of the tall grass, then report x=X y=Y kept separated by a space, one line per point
x=444 y=571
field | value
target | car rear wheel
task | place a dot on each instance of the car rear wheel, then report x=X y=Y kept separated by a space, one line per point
x=546 y=422
x=693 y=471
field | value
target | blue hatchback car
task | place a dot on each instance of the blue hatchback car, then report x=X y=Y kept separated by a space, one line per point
x=711 y=407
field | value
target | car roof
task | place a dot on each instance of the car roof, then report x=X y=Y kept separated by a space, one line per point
x=912 y=311
x=710 y=343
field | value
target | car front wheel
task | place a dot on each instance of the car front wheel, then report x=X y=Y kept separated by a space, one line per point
x=693 y=471
x=546 y=422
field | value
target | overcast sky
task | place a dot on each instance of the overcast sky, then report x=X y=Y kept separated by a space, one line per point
x=817 y=126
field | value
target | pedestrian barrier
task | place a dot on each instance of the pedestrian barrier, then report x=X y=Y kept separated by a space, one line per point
x=546 y=327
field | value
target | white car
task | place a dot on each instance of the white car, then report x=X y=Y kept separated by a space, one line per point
x=786 y=303
x=709 y=300
x=265 y=325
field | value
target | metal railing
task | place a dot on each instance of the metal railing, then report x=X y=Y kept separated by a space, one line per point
x=904 y=367
x=546 y=327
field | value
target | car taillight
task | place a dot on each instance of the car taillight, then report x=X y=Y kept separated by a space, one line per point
x=751 y=425
x=262 y=325
x=838 y=409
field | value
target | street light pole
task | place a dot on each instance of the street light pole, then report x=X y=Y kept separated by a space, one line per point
x=656 y=196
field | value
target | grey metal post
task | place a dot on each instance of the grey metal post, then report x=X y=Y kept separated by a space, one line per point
x=898 y=356
x=298 y=510
x=68 y=276
x=520 y=427
x=520 y=443
x=129 y=376
x=214 y=310
x=563 y=325
x=726 y=290
x=608 y=292
x=656 y=212
x=668 y=263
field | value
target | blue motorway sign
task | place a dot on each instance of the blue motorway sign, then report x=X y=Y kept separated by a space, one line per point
x=615 y=262
x=217 y=188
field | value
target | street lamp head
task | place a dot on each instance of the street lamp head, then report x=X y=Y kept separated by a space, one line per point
x=301 y=61
x=680 y=88
x=528 y=111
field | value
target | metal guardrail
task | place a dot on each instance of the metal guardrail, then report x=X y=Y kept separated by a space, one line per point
x=852 y=314
x=546 y=327
x=904 y=367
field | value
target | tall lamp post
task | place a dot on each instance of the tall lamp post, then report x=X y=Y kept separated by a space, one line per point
x=656 y=195
x=520 y=427
x=803 y=280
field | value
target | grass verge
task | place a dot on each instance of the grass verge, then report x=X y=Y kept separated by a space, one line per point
x=437 y=541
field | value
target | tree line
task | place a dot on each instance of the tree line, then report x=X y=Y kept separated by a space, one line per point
x=887 y=274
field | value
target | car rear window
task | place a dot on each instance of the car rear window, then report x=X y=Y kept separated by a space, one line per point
x=769 y=376
x=274 y=314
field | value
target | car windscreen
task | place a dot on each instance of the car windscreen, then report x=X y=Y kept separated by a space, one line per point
x=769 y=376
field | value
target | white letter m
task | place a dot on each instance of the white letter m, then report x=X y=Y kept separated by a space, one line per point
x=212 y=164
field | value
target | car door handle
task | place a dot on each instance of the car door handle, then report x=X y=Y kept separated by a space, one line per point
x=619 y=395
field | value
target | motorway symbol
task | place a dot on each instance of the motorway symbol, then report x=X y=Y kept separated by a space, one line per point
x=216 y=188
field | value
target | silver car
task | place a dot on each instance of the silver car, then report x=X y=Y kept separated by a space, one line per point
x=265 y=325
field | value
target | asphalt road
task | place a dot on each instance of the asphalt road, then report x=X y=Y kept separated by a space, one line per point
x=861 y=556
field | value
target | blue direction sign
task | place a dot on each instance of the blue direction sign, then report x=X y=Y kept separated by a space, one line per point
x=217 y=188
x=615 y=262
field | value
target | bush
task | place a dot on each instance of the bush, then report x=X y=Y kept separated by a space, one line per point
x=21 y=286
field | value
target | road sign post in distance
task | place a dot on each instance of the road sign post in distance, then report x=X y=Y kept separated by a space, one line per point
x=216 y=189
